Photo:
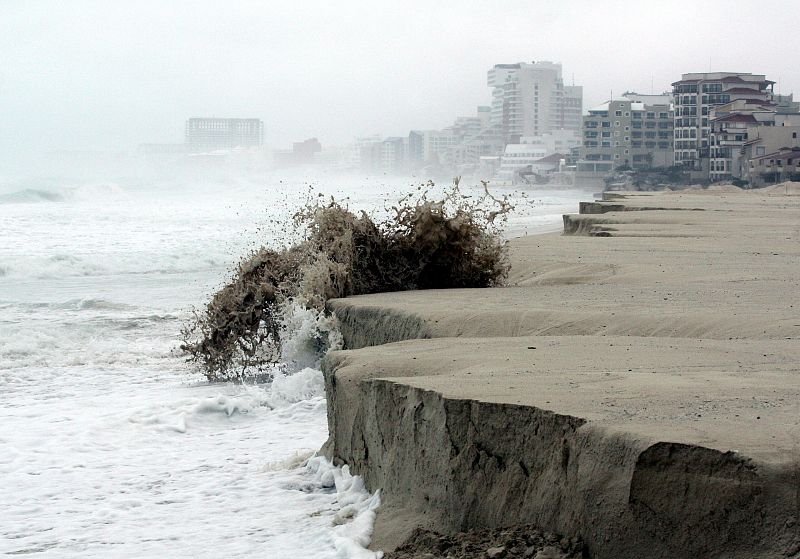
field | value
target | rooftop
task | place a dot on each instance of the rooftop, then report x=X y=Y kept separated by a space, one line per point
x=552 y=158
x=736 y=117
x=783 y=153
x=725 y=77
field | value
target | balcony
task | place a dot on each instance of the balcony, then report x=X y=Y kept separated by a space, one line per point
x=730 y=143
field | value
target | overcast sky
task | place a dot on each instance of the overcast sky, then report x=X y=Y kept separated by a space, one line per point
x=110 y=74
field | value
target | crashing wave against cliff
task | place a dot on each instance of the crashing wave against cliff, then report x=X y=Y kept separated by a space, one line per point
x=425 y=244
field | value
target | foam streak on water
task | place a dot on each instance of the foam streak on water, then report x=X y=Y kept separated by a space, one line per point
x=110 y=446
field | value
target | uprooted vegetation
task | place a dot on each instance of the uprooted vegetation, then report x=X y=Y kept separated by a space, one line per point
x=424 y=244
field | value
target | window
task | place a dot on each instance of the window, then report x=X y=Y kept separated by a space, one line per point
x=618 y=113
x=627 y=114
x=616 y=156
x=627 y=138
x=606 y=124
x=616 y=123
x=663 y=115
x=627 y=128
x=651 y=115
x=760 y=150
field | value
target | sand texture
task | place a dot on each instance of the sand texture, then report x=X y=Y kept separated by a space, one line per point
x=637 y=386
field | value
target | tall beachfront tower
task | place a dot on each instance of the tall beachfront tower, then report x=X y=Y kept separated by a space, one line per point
x=695 y=95
x=209 y=134
x=530 y=99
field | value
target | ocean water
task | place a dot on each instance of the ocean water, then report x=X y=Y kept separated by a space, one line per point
x=110 y=444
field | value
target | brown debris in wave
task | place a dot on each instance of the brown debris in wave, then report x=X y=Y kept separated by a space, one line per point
x=424 y=244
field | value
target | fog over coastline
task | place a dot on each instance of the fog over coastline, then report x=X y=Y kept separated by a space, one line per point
x=100 y=76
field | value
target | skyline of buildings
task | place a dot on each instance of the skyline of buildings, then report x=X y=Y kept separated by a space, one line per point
x=712 y=125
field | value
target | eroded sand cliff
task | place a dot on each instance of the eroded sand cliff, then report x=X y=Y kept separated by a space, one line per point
x=637 y=386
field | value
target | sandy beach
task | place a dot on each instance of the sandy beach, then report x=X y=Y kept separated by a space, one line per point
x=636 y=385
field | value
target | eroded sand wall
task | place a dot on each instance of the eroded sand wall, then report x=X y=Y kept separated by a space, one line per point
x=452 y=464
x=371 y=326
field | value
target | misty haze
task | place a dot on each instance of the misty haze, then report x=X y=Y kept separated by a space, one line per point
x=400 y=279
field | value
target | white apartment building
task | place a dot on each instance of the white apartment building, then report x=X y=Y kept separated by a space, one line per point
x=360 y=154
x=392 y=156
x=532 y=149
x=530 y=99
x=210 y=134
x=436 y=143
x=519 y=156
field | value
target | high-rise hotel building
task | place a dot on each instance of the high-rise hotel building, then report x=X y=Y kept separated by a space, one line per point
x=530 y=99
x=210 y=134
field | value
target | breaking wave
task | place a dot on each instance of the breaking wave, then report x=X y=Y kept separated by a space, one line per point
x=83 y=192
x=249 y=323
x=31 y=196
